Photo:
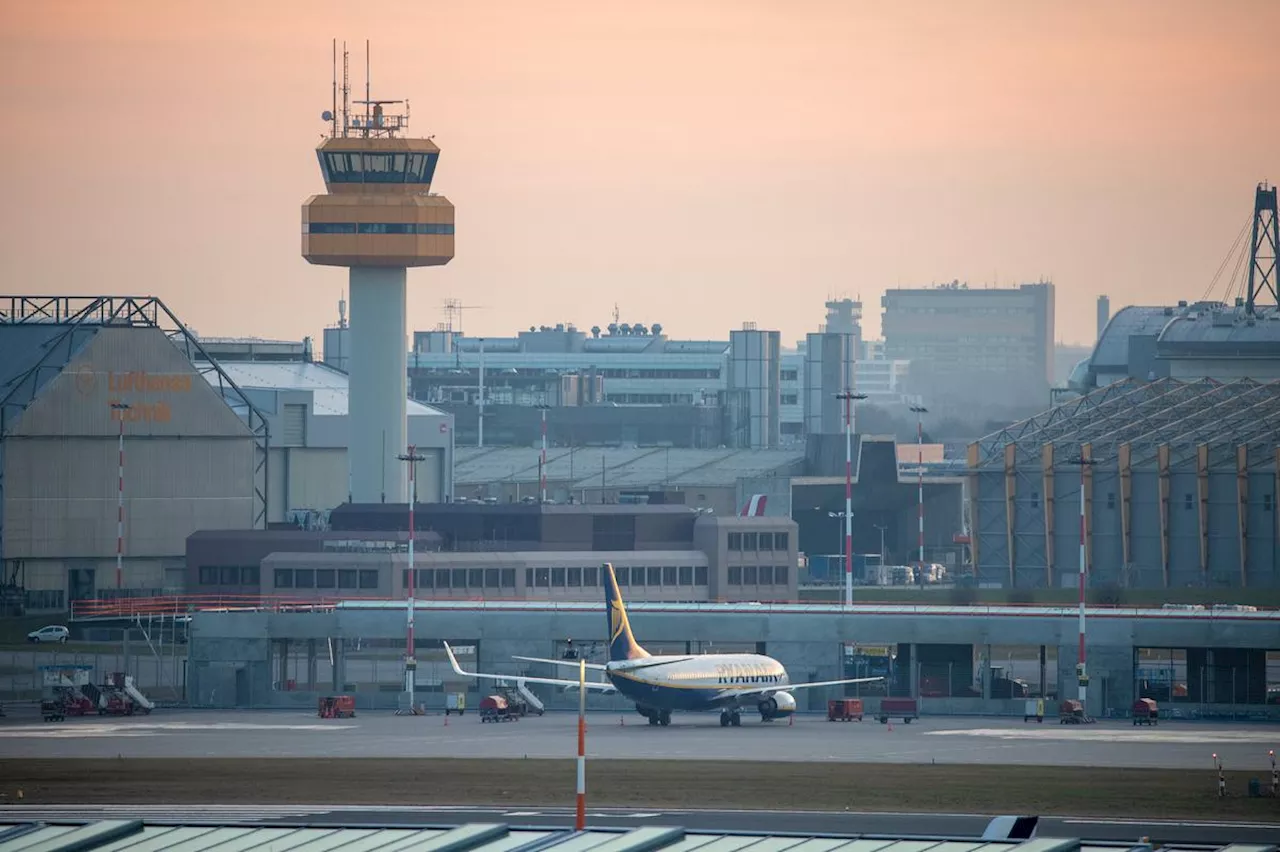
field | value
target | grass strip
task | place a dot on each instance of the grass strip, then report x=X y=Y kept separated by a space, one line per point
x=784 y=785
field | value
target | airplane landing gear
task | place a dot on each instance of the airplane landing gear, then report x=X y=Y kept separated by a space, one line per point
x=659 y=717
x=730 y=717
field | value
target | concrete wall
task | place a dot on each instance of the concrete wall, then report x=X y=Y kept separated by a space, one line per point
x=808 y=643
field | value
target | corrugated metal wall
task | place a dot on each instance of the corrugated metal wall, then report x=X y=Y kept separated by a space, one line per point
x=189 y=460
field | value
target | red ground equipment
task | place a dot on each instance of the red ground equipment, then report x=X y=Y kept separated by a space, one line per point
x=495 y=708
x=74 y=703
x=844 y=709
x=1145 y=712
x=907 y=708
x=1071 y=712
x=337 y=707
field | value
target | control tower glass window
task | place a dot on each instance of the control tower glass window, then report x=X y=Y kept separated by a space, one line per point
x=347 y=167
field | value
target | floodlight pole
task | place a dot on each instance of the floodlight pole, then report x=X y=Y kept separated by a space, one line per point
x=542 y=460
x=121 y=407
x=410 y=663
x=919 y=411
x=848 y=397
x=1082 y=676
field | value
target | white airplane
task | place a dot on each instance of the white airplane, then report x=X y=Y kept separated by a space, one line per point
x=658 y=685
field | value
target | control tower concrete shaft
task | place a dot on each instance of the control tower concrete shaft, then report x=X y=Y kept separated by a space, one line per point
x=377 y=218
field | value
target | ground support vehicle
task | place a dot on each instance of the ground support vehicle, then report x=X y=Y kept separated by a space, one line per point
x=1034 y=709
x=1071 y=712
x=907 y=708
x=844 y=709
x=1145 y=712
x=495 y=708
x=337 y=707
x=455 y=702
x=51 y=710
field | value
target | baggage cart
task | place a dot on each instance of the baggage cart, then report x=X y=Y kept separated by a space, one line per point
x=496 y=708
x=907 y=708
x=1145 y=712
x=844 y=709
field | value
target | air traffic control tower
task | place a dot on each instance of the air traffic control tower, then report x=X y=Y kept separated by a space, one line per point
x=378 y=217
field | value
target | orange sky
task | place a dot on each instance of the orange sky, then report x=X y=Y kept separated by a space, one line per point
x=699 y=163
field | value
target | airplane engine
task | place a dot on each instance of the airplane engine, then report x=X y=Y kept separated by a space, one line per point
x=777 y=706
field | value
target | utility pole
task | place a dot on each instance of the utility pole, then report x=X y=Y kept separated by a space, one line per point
x=1082 y=674
x=919 y=411
x=121 y=407
x=848 y=396
x=410 y=662
x=882 y=529
x=480 y=400
x=542 y=460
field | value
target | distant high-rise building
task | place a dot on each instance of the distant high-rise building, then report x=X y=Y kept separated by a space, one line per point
x=829 y=361
x=754 y=391
x=969 y=346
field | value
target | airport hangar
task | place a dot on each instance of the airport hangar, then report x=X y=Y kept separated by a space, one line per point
x=1180 y=493
x=229 y=442
x=1227 y=663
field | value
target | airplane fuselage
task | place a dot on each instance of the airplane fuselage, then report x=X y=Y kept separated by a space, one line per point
x=705 y=682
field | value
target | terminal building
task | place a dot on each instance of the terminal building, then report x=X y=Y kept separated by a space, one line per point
x=507 y=551
x=954 y=660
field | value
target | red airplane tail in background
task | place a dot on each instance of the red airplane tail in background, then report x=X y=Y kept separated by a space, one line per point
x=754 y=507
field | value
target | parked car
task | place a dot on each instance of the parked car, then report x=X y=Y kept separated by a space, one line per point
x=49 y=633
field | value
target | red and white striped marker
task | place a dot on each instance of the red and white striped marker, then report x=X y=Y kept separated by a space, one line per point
x=580 y=821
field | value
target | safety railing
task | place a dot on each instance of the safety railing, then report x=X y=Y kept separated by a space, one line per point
x=184 y=605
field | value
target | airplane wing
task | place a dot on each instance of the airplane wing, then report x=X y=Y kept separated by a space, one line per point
x=765 y=691
x=606 y=688
x=594 y=666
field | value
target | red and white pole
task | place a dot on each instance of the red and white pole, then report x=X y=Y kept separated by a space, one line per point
x=848 y=500
x=410 y=663
x=920 y=482
x=919 y=412
x=580 y=821
x=1081 y=671
x=120 y=408
x=542 y=463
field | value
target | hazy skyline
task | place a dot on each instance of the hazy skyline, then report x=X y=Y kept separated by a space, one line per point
x=700 y=164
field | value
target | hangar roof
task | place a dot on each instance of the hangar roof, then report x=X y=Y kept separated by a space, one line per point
x=1182 y=415
x=1112 y=349
x=31 y=356
x=119 y=835
x=329 y=387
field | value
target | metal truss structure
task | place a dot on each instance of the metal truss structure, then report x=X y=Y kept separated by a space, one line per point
x=1147 y=416
x=77 y=318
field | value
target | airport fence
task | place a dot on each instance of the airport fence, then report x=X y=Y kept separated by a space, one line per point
x=161 y=675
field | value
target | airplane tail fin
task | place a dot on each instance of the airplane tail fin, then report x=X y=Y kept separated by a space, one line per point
x=622 y=645
x=754 y=507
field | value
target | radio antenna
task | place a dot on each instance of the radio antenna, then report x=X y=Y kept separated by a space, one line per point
x=333 y=125
x=367 y=96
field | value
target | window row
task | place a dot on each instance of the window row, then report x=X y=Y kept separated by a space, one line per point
x=45 y=599
x=758 y=541
x=758 y=575
x=365 y=167
x=326 y=578
x=460 y=578
x=638 y=575
x=229 y=575
x=377 y=228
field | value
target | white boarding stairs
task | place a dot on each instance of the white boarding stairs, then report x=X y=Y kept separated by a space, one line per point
x=529 y=696
x=138 y=698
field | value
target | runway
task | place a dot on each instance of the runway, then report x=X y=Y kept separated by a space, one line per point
x=949 y=740
x=806 y=822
